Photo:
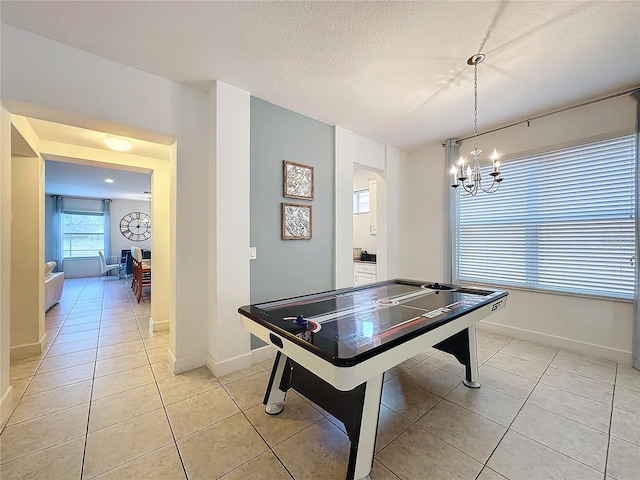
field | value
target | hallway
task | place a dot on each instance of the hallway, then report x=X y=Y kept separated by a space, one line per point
x=101 y=402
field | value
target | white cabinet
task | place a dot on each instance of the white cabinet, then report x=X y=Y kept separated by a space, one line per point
x=373 y=207
x=364 y=273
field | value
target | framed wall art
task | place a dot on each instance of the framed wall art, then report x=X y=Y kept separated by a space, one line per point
x=296 y=222
x=298 y=180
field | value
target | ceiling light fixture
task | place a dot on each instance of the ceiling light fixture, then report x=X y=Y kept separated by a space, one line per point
x=470 y=179
x=108 y=180
x=117 y=144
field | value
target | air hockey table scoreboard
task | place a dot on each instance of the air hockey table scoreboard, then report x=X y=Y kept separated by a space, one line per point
x=334 y=347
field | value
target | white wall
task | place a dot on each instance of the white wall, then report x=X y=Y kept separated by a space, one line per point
x=229 y=209
x=598 y=327
x=119 y=208
x=423 y=219
x=81 y=267
x=390 y=214
x=6 y=391
x=125 y=100
x=191 y=241
x=28 y=335
x=27 y=258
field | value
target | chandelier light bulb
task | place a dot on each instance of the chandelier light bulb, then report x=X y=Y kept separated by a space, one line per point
x=454 y=173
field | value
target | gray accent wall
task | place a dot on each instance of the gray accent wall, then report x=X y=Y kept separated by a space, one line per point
x=286 y=268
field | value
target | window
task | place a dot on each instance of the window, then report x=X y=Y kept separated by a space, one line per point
x=361 y=201
x=562 y=221
x=82 y=234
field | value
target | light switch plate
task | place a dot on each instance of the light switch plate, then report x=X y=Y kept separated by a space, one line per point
x=252 y=253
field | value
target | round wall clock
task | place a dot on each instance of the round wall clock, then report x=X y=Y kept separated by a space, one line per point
x=136 y=226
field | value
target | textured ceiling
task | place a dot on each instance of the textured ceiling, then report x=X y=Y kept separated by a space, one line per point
x=394 y=72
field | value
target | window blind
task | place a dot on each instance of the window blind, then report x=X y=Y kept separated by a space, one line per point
x=562 y=221
x=73 y=204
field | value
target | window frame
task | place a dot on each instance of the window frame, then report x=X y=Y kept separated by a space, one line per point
x=64 y=233
x=356 y=201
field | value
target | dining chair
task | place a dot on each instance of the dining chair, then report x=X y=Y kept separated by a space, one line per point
x=106 y=268
x=134 y=260
x=141 y=273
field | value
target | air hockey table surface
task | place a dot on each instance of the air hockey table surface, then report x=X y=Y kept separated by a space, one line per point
x=344 y=328
x=334 y=347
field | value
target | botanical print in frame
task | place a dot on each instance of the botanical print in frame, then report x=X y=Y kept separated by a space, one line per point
x=296 y=222
x=298 y=181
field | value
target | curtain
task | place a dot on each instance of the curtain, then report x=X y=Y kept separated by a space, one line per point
x=106 y=209
x=56 y=232
x=451 y=155
x=635 y=348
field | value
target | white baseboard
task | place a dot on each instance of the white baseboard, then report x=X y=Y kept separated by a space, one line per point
x=36 y=348
x=5 y=406
x=171 y=360
x=577 y=346
x=221 y=368
x=181 y=365
x=159 y=326
x=230 y=365
x=266 y=352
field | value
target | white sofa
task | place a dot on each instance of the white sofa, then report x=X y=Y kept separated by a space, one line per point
x=53 y=284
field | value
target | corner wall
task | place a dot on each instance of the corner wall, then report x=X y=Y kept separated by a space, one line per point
x=601 y=328
x=28 y=336
x=27 y=270
x=6 y=391
x=113 y=95
x=389 y=214
x=229 y=210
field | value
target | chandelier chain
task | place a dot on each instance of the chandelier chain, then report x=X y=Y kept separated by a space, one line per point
x=475 y=105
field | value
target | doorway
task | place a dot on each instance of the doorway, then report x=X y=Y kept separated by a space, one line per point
x=365 y=225
x=69 y=145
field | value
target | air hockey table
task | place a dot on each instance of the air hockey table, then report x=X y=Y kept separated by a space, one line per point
x=334 y=347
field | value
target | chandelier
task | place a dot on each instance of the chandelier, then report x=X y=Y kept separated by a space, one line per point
x=470 y=179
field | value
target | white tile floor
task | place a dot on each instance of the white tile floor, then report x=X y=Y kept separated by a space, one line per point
x=100 y=402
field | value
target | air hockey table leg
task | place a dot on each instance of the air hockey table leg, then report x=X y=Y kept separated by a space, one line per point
x=472 y=368
x=362 y=448
x=274 y=395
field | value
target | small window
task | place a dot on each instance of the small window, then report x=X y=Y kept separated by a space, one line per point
x=82 y=234
x=361 y=201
